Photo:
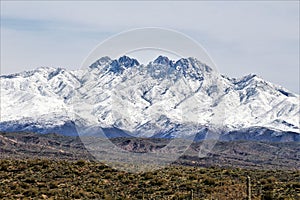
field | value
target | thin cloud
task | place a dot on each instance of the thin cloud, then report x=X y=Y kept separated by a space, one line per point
x=242 y=37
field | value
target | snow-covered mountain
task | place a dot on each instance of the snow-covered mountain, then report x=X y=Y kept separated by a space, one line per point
x=164 y=98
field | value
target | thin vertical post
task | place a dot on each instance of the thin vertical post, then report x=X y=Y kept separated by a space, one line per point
x=248 y=188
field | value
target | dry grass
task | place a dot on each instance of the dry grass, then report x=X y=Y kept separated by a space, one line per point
x=49 y=179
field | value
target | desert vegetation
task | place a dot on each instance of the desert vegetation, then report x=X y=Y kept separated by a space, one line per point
x=81 y=179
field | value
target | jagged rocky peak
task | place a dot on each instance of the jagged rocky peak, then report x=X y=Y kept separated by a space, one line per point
x=119 y=65
x=104 y=60
x=245 y=78
x=163 y=60
x=254 y=83
x=101 y=62
x=195 y=63
x=127 y=61
x=116 y=65
x=183 y=63
x=253 y=80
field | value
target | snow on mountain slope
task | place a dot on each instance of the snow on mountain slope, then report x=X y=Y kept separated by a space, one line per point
x=162 y=98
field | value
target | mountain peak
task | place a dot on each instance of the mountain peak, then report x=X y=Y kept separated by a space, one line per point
x=163 y=60
x=183 y=62
x=101 y=62
x=124 y=62
x=104 y=60
x=127 y=61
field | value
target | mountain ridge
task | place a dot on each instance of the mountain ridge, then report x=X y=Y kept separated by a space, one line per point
x=160 y=95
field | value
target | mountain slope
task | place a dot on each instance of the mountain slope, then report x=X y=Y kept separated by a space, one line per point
x=164 y=98
x=244 y=154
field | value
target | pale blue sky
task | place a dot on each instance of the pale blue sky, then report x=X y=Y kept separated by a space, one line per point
x=241 y=37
